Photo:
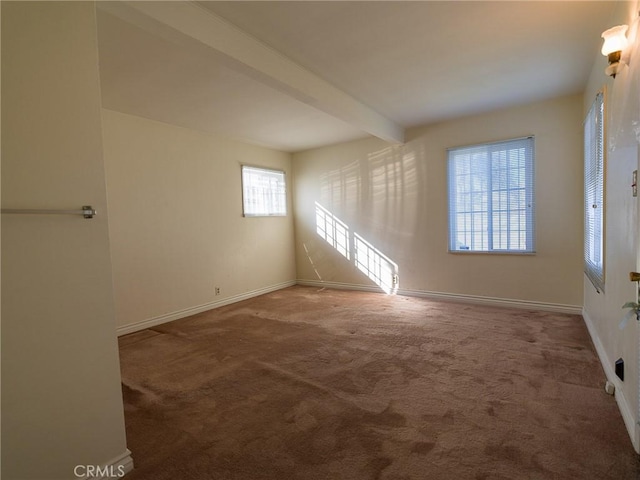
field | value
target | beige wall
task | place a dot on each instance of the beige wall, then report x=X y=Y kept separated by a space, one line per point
x=61 y=395
x=395 y=197
x=176 y=224
x=602 y=311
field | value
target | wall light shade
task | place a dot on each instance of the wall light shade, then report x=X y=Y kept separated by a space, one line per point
x=615 y=41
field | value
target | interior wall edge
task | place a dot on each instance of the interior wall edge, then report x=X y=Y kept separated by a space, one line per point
x=623 y=405
x=187 y=312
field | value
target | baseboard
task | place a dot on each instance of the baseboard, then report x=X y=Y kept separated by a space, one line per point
x=499 y=302
x=116 y=468
x=339 y=286
x=607 y=365
x=169 y=317
x=454 y=297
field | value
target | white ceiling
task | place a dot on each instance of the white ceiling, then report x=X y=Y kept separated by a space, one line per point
x=298 y=75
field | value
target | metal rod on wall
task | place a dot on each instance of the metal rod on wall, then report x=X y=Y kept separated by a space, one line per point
x=87 y=211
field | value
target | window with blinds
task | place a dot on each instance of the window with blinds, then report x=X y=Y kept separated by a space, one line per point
x=264 y=192
x=594 y=193
x=491 y=197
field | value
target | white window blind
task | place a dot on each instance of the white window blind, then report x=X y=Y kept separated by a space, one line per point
x=594 y=193
x=491 y=197
x=264 y=192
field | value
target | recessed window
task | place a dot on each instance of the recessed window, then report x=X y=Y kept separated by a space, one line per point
x=491 y=198
x=594 y=193
x=264 y=192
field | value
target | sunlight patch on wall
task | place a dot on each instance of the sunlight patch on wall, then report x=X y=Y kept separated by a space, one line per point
x=333 y=231
x=368 y=259
x=375 y=265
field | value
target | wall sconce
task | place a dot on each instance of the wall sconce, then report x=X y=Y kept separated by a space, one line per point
x=615 y=42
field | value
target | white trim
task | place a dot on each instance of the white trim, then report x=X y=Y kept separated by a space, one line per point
x=495 y=302
x=339 y=285
x=168 y=317
x=455 y=297
x=623 y=405
x=116 y=468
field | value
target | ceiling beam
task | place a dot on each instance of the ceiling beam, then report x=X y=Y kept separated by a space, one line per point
x=191 y=24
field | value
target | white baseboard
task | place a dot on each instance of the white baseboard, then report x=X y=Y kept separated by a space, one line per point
x=607 y=365
x=454 y=297
x=168 y=317
x=116 y=468
x=500 y=302
x=339 y=286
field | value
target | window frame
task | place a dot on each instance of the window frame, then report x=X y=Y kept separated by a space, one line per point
x=246 y=198
x=595 y=161
x=492 y=213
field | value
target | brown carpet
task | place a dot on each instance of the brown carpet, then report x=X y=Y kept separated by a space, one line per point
x=315 y=384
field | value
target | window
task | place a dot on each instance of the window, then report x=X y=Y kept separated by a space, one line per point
x=594 y=193
x=264 y=192
x=491 y=201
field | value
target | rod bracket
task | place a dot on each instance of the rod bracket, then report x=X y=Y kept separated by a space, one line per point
x=88 y=211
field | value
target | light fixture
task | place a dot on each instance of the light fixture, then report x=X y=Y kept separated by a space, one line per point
x=615 y=41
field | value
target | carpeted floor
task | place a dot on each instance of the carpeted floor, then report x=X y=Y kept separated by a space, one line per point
x=316 y=384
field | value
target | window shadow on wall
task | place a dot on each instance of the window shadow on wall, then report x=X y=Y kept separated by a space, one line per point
x=370 y=208
x=353 y=247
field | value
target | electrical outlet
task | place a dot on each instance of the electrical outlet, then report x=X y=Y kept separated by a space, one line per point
x=217 y=290
x=395 y=279
x=619 y=369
